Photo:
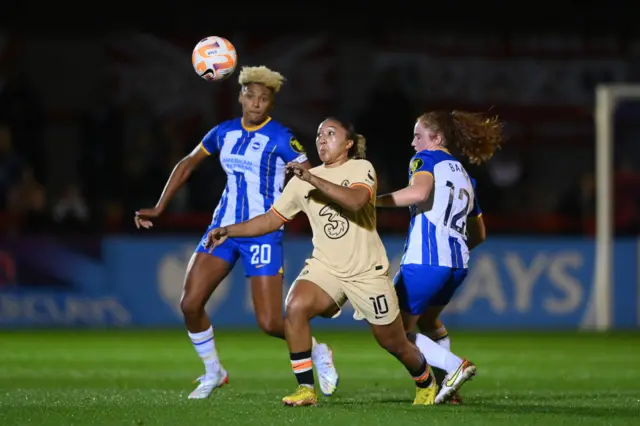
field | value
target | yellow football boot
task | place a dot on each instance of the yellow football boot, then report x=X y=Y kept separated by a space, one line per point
x=427 y=396
x=303 y=396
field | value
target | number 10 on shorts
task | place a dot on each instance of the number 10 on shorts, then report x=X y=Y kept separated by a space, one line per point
x=260 y=254
x=380 y=305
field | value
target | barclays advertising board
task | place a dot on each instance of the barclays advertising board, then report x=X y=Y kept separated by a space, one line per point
x=137 y=282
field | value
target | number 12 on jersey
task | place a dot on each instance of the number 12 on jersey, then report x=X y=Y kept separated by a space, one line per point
x=458 y=221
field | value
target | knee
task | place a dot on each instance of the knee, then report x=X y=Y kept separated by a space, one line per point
x=273 y=325
x=191 y=304
x=298 y=308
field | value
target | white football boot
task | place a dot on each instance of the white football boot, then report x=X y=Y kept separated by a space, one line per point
x=454 y=381
x=327 y=374
x=206 y=384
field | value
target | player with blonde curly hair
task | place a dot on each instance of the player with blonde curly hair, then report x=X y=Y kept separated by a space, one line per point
x=253 y=151
x=446 y=223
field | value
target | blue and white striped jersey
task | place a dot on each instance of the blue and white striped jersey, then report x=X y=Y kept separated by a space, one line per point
x=437 y=232
x=253 y=159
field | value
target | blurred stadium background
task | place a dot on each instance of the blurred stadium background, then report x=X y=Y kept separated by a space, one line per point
x=91 y=136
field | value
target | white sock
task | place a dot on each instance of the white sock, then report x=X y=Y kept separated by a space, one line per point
x=205 y=346
x=445 y=343
x=436 y=355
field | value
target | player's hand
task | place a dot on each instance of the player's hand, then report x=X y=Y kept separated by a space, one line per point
x=298 y=170
x=215 y=237
x=143 y=217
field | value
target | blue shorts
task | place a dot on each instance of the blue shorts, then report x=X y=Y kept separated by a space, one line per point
x=261 y=256
x=421 y=286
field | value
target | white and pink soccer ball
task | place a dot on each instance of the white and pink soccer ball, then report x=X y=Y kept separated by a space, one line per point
x=214 y=58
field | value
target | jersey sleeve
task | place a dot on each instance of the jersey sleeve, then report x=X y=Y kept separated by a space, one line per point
x=288 y=205
x=290 y=149
x=476 y=211
x=363 y=174
x=211 y=142
x=421 y=163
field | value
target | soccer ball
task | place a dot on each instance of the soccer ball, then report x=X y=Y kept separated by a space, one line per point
x=214 y=58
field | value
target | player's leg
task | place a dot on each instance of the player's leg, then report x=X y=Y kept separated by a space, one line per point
x=430 y=325
x=429 y=322
x=416 y=286
x=204 y=273
x=263 y=261
x=266 y=294
x=305 y=301
x=393 y=339
x=454 y=379
x=375 y=299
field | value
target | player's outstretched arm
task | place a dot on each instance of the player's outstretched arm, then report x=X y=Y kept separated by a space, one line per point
x=476 y=230
x=259 y=225
x=178 y=177
x=180 y=174
x=417 y=192
x=351 y=198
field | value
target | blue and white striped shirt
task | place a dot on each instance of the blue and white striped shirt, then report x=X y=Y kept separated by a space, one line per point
x=437 y=232
x=253 y=159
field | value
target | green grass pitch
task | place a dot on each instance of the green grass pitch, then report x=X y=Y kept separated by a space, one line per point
x=144 y=377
